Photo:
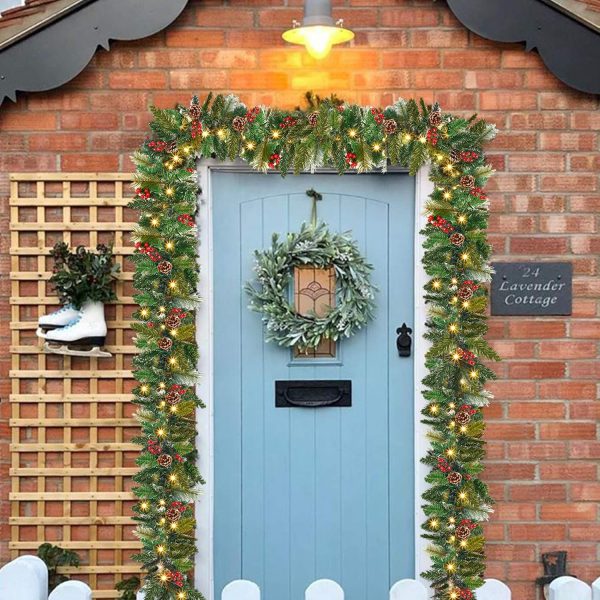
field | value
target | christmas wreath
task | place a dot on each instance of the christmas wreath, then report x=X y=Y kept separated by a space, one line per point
x=318 y=247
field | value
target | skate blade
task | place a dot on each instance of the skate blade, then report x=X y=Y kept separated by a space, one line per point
x=94 y=351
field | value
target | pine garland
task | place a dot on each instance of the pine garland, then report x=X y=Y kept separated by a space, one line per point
x=347 y=137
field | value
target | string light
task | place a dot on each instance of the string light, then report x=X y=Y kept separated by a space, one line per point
x=173 y=526
x=187 y=149
x=144 y=505
x=453 y=300
x=422 y=139
x=436 y=284
x=275 y=134
x=434 y=523
x=162 y=385
x=453 y=328
x=169 y=245
x=463 y=429
x=164 y=577
x=451 y=452
x=462 y=496
x=447 y=195
x=452 y=406
x=172 y=478
x=169 y=191
x=173 y=409
x=162 y=521
x=172 y=284
x=465 y=304
x=473 y=374
x=205 y=133
x=352 y=133
x=220 y=133
x=181 y=596
x=463 y=382
x=451 y=520
x=160 y=432
x=154 y=222
x=161 y=502
x=144 y=389
x=161 y=309
x=250 y=146
x=454 y=281
x=455 y=356
x=462 y=219
x=464 y=256
x=406 y=138
x=160 y=549
x=434 y=409
x=450 y=567
x=144 y=312
x=377 y=147
x=162 y=404
x=172 y=361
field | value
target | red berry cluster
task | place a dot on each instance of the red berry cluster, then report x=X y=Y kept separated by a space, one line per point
x=443 y=465
x=478 y=193
x=468 y=156
x=467 y=523
x=351 y=159
x=468 y=283
x=178 y=313
x=154 y=447
x=186 y=220
x=288 y=122
x=252 y=114
x=274 y=160
x=178 y=458
x=466 y=356
x=466 y=594
x=175 y=577
x=468 y=408
x=341 y=108
x=440 y=224
x=178 y=506
x=377 y=115
x=196 y=129
x=148 y=250
x=432 y=136
x=157 y=145
x=191 y=170
x=143 y=193
x=178 y=389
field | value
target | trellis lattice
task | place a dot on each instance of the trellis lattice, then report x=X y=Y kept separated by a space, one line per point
x=71 y=417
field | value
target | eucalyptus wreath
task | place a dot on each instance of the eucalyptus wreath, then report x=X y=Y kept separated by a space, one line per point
x=319 y=247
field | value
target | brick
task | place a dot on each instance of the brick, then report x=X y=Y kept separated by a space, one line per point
x=579 y=142
x=568 y=349
x=509 y=431
x=138 y=80
x=90 y=162
x=537 y=410
x=18 y=121
x=537 y=533
x=568 y=431
x=225 y=17
x=195 y=38
x=515 y=100
x=538 y=246
x=536 y=450
x=568 y=471
x=538 y=492
x=510 y=471
x=411 y=59
x=410 y=17
x=584 y=449
x=89 y=120
x=572 y=511
x=569 y=390
x=586 y=491
x=536 y=370
x=537 y=162
x=587 y=532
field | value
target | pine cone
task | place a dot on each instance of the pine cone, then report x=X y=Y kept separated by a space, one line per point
x=164 y=267
x=173 y=321
x=194 y=111
x=165 y=343
x=239 y=123
x=455 y=156
x=462 y=417
x=454 y=478
x=435 y=118
x=462 y=532
x=467 y=181
x=165 y=460
x=465 y=293
x=172 y=147
x=173 y=398
x=312 y=119
x=390 y=126
x=458 y=239
x=174 y=515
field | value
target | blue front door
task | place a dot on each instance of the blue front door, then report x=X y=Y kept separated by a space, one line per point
x=308 y=493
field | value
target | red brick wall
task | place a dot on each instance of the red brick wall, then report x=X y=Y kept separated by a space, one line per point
x=545 y=203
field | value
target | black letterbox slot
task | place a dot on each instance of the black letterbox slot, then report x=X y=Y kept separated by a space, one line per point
x=313 y=394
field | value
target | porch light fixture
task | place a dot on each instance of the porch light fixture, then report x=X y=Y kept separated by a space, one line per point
x=318 y=32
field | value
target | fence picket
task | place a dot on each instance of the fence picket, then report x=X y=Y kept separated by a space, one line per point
x=41 y=570
x=324 y=589
x=241 y=590
x=493 y=589
x=71 y=590
x=408 y=588
x=569 y=588
x=20 y=579
x=596 y=589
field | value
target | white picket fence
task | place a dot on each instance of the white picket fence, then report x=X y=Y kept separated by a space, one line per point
x=26 y=578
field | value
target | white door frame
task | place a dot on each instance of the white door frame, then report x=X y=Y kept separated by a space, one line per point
x=204 y=574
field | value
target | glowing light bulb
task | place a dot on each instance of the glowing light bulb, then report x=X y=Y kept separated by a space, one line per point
x=275 y=134
x=462 y=219
x=220 y=133
x=169 y=245
x=318 y=39
x=169 y=191
x=451 y=405
x=162 y=385
x=463 y=544
x=451 y=452
x=422 y=139
x=434 y=524
x=377 y=147
x=172 y=361
x=160 y=432
x=173 y=526
x=144 y=312
x=452 y=520
x=406 y=138
x=162 y=309
x=144 y=389
x=434 y=409
x=172 y=284
x=160 y=549
x=162 y=521
x=463 y=429
x=144 y=506
x=162 y=404
x=447 y=195
x=173 y=409
x=172 y=478
x=453 y=328
x=450 y=567
x=205 y=133
x=352 y=133
x=436 y=284
x=462 y=496
x=250 y=145
x=454 y=281
x=455 y=356
x=154 y=222
x=463 y=381
x=464 y=256
x=162 y=502
x=473 y=374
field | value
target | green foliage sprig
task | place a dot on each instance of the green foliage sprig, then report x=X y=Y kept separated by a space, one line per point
x=55 y=557
x=346 y=137
x=82 y=275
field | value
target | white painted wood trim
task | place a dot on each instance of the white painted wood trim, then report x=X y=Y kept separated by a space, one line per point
x=204 y=575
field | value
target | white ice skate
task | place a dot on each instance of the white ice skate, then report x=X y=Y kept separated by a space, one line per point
x=56 y=319
x=82 y=337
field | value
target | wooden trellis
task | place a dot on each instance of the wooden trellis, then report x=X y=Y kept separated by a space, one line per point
x=71 y=420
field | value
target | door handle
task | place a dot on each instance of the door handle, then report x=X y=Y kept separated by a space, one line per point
x=404 y=341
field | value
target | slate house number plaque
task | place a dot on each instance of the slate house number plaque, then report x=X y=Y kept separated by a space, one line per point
x=530 y=288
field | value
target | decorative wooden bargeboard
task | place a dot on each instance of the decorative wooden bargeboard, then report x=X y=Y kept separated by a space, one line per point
x=71 y=418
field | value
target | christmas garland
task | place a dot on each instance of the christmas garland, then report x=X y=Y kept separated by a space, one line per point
x=347 y=137
x=319 y=247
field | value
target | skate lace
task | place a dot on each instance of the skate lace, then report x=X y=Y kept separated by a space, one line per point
x=72 y=323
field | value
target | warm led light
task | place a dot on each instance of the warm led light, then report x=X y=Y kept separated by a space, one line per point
x=377 y=147
x=172 y=361
x=450 y=567
x=463 y=544
x=451 y=520
x=473 y=374
x=162 y=502
x=448 y=168
x=173 y=332
x=464 y=256
x=187 y=149
x=434 y=409
x=454 y=281
x=452 y=424
x=462 y=496
x=275 y=134
x=463 y=429
x=173 y=478
x=173 y=526
x=161 y=309
x=453 y=328
x=169 y=191
x=162 y=404
x=453 y=595
x=250 y=145
x=144 y=506
x=154 y=222
x=463 y=381
x=406 y=138
x=451 y=452
x=144 y=312
x=422 y=139
x=164 y=577
x=162 y=521
x=462 y=219
x=465 y=304
x=452 y=539
x=453 y=300
x=452 y=406
x=181 y=596
x=455 y=356
x=352 y=133
x=439 y=157
x=436 y=284
x=162 y=385
x=176 y=159
x=220 y=133
x=172 y=284
x=169 y=245
x=447 y=195
x=160 y=549
x=144 y=389
x=160 y=432
x=434 y=523
x=205 y=133
x=163 y=327
x=318 y=39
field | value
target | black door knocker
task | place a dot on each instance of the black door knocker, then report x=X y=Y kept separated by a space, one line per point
x=404 y=341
